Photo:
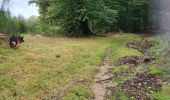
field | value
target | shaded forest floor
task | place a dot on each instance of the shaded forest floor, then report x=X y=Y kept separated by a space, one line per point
x=66 y=68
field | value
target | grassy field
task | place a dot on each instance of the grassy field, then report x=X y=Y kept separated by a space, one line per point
x=60 y=67
x=45 y=66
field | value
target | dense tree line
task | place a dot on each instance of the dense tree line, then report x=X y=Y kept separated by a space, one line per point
x=81 y=17
x=85 y=17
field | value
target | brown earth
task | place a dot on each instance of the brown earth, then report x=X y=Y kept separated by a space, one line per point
x=142 y=85
x=103 y=80
x=142 y=45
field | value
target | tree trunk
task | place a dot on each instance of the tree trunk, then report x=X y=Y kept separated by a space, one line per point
x=85 y=28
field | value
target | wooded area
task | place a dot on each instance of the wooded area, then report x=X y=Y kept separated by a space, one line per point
x=99 y=16
x=82 y=17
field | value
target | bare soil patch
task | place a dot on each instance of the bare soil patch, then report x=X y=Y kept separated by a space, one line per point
x=142 y=85
x=142 y=45
x=136 y=60
x=103 y=80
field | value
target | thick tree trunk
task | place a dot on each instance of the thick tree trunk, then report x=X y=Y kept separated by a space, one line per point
x=84 y=26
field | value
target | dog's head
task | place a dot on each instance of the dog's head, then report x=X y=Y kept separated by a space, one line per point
x=21 y=39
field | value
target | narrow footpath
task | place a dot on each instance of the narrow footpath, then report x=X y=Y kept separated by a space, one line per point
x=103 y=80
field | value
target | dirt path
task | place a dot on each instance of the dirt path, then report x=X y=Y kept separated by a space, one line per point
x=104 y=77
x=103 y=80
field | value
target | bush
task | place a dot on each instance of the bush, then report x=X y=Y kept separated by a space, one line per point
x=11 y=25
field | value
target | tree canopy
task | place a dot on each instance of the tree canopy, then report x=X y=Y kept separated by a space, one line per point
x=88 y=16
x=76 y=16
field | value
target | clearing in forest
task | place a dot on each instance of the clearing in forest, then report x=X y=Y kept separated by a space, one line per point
x=60 y=67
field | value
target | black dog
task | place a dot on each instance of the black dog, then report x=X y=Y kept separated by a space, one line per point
x=15 y=41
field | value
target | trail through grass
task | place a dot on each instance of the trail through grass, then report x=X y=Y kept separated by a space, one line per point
x=45 y=67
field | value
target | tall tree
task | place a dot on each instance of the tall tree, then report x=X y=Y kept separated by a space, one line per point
x=76 y=17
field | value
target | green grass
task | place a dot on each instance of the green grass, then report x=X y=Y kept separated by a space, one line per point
x=164 y=93
x=119 y=46
x=154 y=69
x=44 y=65
x=78 y=93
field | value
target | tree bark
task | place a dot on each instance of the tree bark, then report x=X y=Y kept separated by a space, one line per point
x=84 y=26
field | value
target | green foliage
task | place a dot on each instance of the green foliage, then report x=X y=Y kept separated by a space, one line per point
x=11 y=25
x=100 y=16
x=44 y=29
x=71 y=14
x=133 y=15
